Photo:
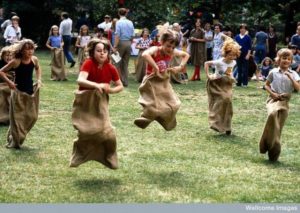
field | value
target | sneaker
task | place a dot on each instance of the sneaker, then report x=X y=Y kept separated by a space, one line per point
x=72 y=64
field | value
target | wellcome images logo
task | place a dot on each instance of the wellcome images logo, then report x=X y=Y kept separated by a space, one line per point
x=281 y=208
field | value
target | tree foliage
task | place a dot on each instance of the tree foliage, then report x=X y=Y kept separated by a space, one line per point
x=38 y=16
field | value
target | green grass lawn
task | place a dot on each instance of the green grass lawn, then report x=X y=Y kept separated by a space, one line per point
x=191 y=164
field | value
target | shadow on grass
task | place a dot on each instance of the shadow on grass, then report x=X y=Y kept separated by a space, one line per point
x=96 y=185
x=229 y=139
x=291 y=166
x=166 y=179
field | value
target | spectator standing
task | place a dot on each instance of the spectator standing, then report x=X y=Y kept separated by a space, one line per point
x=272 y=39
x=261 y=45
x=123 y=38
x=209 y=43
x=198 y=52
x=12 y=33
x=65 y=30
x=106 y=24
x=295 y=40
x=244 y=41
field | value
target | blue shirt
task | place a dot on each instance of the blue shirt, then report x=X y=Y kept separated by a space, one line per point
x=55 y=41
x=261 y=38
x=295 y=40
x=124 y=29
x=245 y=43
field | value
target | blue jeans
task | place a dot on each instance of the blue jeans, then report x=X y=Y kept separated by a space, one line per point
x=260 y=53
x=242 y=69
x=67 y=44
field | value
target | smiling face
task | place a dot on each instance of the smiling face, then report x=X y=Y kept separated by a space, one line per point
x=285 y=62
x=7 y=57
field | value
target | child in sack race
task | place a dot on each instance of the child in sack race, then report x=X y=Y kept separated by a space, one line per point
x=96 y=137
x=280 y=84
x=24 y=100
x=157 y=97
x=219 y=87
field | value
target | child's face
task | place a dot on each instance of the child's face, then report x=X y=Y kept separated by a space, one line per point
x=230 y=56
x=28 y=51
x=285 y=62
x=100 y=54
x=55 y=31
x=168 y=47
x=84 y=30
x=7 y=57
x=267 y=62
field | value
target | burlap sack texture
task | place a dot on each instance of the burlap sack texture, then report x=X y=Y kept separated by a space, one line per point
x=277 y=114
x=23 y=113
x=220 y=110
x=140 y=69
x=58 y=71
x=176 y=77
x=159 y=102
x=96 y=136
x=4 y=103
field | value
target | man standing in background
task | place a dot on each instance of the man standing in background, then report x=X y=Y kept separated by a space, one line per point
x=65 y=30
x=123 y=38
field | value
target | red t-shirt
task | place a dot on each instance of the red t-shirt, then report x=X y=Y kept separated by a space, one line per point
x=161 y=61
x=106 y=74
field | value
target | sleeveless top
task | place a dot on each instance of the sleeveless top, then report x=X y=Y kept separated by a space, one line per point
x=23 y=77
x=161 y=61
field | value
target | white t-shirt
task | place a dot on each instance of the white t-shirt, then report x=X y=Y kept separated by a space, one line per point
x=222 y=68
x=12 y=34
x=105 y=26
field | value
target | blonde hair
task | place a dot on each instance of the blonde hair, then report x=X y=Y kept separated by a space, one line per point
x=51 y=30
x=284 y=52
x=19 y=46
x=230 y=46
x=82 y=28
x=4 y=51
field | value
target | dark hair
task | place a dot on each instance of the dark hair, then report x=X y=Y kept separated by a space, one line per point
x=143 y=31
x=261 y=28
x=272 y=26
x=244 y=26
x=170 y=36
x=219 y=25
x=122 y=11
x=292 y=46
x=65 y=15
x=93 y=43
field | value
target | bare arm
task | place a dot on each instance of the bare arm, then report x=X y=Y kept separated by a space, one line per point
x=12 y=64
x=147 y=55
x=38 y=71
x=207 y=64
x=48 y=44
x=185 y=57
x=102 y=87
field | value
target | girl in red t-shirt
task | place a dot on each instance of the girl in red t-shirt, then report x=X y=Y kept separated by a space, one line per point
x=97 y=72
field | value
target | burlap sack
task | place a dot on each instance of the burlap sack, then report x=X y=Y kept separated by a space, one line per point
x=219 y=92
x=23 y=113
x=159 y=102
x=140 y=69
x=4 y=103
x=58 y=71
x=176 y=77
x=277 y=114
x=96 y=136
